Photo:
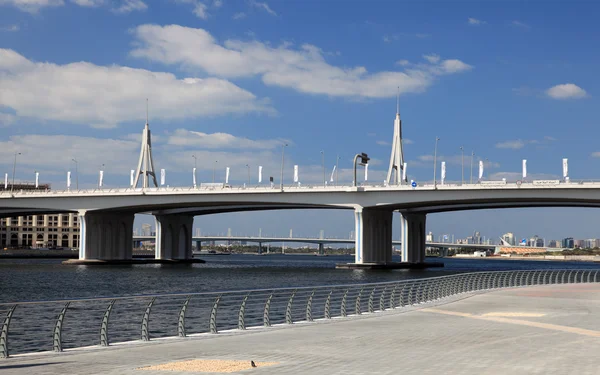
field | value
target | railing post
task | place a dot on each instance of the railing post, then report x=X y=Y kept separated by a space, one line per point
x=288 y=310
x=181 y=320
x=393 y=298
x=343 y=307
x=57 y=345
x=213 y=315
x=309 y=307
x=4 y=352
x=266 y=319
x=104 y=340
x=357 y=304
x=371 y=296
x=382 y=300
x=328 y=306
x=146 y=321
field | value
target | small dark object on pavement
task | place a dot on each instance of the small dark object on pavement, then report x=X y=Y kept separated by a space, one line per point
x=253 y=364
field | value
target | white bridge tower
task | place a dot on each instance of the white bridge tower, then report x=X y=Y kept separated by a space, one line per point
x=397 y=158
x=145 y=165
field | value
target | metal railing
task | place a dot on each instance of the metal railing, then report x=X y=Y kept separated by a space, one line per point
x=58 y=325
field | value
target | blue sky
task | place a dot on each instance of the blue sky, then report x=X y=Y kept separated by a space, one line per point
x=230 y=81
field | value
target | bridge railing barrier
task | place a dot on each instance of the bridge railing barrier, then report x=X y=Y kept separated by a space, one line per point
x=61 y=325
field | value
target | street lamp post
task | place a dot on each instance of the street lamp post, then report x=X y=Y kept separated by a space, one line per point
x=76 y=174
x=323 y=164
x=14 y=169
x=282 y=160
x=462 y=165
x=214 y=168
x=248 y=168
x=472 y=154
x=435 y=161
x=364 y=159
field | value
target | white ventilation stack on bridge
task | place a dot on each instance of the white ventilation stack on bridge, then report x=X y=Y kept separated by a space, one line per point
x=145 y=164
x=397 y=157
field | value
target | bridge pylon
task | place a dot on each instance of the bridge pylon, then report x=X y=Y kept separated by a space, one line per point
x=396 y=169
x=145 y=164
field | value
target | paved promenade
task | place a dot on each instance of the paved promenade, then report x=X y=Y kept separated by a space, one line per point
x=535 y=330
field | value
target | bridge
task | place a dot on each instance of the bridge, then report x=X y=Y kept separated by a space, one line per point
x=106 y=215
x=320 y=241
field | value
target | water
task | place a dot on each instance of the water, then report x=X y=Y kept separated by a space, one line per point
x=35 y=279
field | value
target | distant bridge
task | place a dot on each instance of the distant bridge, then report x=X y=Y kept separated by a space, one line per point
x=320 y=241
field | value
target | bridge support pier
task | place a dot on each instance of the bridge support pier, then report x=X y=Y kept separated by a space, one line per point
x=174 y=237
x=372 y=238
x=413 y=237
x=105 y=236
x=260 y=248
x=198 y=245
x=321 y=249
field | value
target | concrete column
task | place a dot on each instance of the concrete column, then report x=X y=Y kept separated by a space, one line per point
x=259 y=248
x=321 y=249
x=105 y=236
x=404 y=238
x=174 y=236
x=373 y=236
x=198 y=245
x=415 y=237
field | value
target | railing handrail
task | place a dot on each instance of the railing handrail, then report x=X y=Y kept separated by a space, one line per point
x=274 y=290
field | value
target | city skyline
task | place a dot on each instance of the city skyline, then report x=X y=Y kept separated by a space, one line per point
x=503 y=81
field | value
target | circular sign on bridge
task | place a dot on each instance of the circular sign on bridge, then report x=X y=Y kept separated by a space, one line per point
x=413 y=184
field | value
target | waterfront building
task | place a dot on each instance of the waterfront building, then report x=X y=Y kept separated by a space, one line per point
x=59 y=230
x=509 y=238
x=429 y=237
x=56 y=230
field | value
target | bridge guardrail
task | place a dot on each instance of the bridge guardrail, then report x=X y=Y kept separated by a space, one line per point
x=60 y=325
x=293 y=187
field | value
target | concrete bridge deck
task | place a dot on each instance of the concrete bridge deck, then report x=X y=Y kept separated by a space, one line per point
x=535 y=330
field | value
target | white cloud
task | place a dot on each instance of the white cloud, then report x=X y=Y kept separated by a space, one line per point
x=217 y=3
x=383 y=143
x=84 y=93
x=264 y=6
x=520 y=143
x=520 y=24
x=304 y=69
x=128 y=6
x=403 y=62
x=566 y=91
x=475 y=21
x=515 y=145
x=454 y=66
x=10 y=28
x=200 y=10
x=89 y=3
x=32 y=6
x=239 y=16
x=183 y=137
x=407 y=141
x=433 y=58
x=596 y=154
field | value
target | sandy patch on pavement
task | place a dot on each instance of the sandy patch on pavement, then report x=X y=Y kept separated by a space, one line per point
x=207 y=365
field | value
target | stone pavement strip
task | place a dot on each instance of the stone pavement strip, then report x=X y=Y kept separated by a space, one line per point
x=533 y=330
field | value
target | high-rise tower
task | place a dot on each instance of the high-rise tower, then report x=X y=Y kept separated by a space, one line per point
x=397 y=157
x=145 y=165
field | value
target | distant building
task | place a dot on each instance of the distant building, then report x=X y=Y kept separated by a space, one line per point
x=59 y=230
x=579 y=244
x=509 y=238
x=146 y=229
x=568 y=243
x=554 y=243
x=429 y=237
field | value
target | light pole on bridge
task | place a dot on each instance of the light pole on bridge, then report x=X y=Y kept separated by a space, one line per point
x=282 y=160
x=435 y=162
x=248 y=168
x=323 y=164
x=364 y=159
x=14 y=169
x=472 y=154
x=462 y=165
x=195 y=168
